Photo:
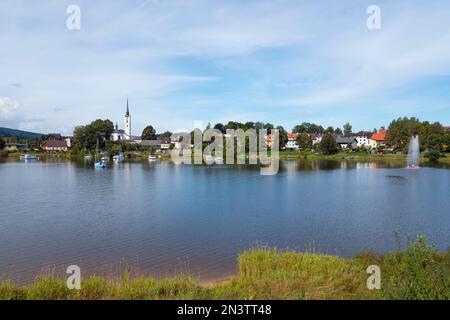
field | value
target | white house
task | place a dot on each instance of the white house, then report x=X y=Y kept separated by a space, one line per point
x=363 y=139
x=292 y=141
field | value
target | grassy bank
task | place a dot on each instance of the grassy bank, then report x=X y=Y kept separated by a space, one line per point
x=357 y=156
x=419 y=272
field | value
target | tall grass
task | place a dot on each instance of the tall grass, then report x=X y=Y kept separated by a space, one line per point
x=418 y=272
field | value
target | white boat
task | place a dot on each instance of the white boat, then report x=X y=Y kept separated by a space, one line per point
x=119 y=157
x=152 y=158
x=88 y=157
x=28 y=157
x=100 y=164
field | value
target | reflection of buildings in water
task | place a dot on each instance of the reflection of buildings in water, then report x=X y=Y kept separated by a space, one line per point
x=290 y=166
x=366 y=165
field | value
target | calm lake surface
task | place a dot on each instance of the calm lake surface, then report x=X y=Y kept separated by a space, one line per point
x=164 y=219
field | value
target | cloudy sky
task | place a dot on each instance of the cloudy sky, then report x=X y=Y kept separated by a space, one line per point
x=283 y=62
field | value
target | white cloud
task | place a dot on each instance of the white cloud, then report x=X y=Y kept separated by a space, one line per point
x=8 y=109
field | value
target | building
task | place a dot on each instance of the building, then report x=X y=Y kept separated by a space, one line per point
x=292 y=141
x=162 y=144
x=56 y=142
x=56 y=145
x=378 y=139
x=346 y=142
x=13 y=146
x=446 y=128
x=123 y=134
x=316 y=138
x=363 y=139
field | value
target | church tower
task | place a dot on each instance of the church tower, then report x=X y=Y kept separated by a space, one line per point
x=127 y=123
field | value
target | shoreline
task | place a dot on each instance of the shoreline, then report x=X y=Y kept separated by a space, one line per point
x=419 y=272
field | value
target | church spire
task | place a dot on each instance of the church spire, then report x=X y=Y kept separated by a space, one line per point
x=128 y=110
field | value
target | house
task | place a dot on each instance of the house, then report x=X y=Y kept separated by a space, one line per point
x=316 y=138
x=363 y=139
x=446 y=128
x=177 y=139
x=292 y=141
x=346 y=142
x=13 y=146
x=56 y=142
x=165 y=143
x=56 y=145
x=378 y=139
x=162 y=144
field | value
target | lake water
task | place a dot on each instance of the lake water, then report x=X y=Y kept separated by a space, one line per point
x=164 y=219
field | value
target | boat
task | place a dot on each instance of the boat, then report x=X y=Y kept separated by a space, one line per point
x=152 y=158
x=119 y=157
x=28 y=157
x=105 y=157
x=100 y=164
x=88 y=157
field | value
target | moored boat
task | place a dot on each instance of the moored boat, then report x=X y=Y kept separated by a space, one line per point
x=28 y=157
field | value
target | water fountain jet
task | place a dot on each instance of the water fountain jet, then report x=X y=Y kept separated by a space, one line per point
x=413 y=153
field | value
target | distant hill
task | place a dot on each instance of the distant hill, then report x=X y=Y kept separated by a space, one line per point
x=6 y=132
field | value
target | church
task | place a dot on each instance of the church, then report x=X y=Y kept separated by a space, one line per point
x=123 y=134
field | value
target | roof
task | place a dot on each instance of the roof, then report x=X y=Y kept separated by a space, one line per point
x=292 y=135
x=365 y=134
x=56 y=144
x=380 y=136
x=13 y=144
x=346 y=140
x=151 y=143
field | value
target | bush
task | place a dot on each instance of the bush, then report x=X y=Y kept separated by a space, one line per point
x=433 y=155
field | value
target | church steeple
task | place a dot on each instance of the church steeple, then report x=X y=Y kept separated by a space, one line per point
x=127 y=123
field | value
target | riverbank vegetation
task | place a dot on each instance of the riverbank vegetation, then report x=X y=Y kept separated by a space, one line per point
x=417 y=272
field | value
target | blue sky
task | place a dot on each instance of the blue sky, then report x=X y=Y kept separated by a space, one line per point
x=284 y=62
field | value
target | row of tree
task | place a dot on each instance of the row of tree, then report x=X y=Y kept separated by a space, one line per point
x=432 y=136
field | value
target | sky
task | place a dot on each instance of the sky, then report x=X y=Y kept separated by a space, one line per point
x=178 y=62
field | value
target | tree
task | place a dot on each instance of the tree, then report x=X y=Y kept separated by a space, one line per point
x=329 y=130
x=220 y=127
x=432 y=155
x=283 y=137
x=85 y=137
x=304 y=141
x=301 y=128
x=2 y=144
x=328 y=144
x=347 y=130
x=338 y=131
x=149 y=133
x=166 y=134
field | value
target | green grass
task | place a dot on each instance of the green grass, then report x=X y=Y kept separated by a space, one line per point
x=419 y=272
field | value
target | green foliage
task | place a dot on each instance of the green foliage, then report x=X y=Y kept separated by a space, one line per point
x=283 y=137
x=418 y=273
x=304 y=141
x=400 y=131
x=328 y=145
x=149 y=133
x=85 y=137
x=347 y=130
x=307 y=127
x=433 y=155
